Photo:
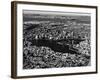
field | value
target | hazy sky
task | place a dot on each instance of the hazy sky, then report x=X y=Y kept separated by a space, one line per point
x=55 y=13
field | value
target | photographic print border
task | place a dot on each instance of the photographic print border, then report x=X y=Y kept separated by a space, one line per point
x=14 y=37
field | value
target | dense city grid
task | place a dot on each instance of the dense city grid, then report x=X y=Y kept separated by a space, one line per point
x=55 y=41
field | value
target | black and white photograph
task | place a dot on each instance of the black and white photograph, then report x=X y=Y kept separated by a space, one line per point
x=53 y=39
x=56 y=41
